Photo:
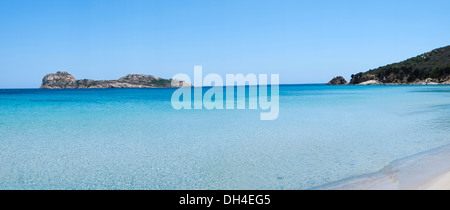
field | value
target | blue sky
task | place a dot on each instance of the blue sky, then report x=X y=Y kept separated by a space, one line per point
x=305 y=41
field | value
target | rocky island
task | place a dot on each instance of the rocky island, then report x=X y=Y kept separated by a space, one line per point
x=338 y=81
x=64 y=80
x=431 y=68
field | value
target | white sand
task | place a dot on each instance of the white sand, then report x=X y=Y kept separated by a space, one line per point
x=439 y=183
x=425 y=171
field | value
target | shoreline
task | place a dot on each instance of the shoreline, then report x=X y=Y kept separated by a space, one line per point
x=301 y=84
x=427 y=170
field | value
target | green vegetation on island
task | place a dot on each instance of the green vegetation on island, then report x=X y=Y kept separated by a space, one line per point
x=428 y=68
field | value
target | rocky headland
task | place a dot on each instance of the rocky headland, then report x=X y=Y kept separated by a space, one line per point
x=431 y=68
x=64 y=80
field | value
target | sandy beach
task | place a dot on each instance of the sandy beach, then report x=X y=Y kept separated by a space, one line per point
x=429 y=170
x=438 y=183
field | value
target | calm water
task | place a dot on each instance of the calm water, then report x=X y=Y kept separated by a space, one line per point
x=133 y=139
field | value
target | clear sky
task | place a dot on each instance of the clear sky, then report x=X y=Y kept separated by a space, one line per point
x=305 y=41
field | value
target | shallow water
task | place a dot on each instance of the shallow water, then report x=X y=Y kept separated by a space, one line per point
x=134 y=139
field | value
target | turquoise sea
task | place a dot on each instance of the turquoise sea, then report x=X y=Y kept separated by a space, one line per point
x=134 y=139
